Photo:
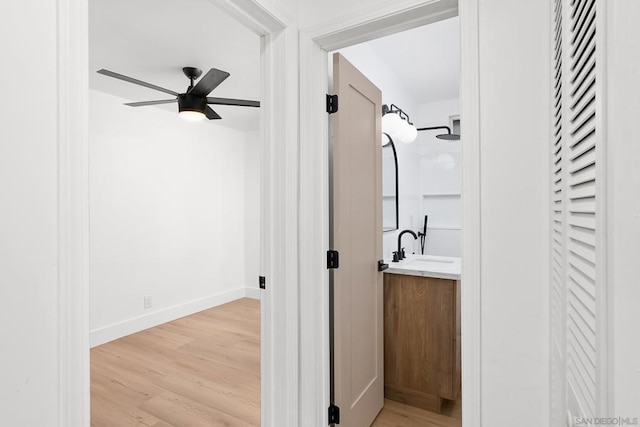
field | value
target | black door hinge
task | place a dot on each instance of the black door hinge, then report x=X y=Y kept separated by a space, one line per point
x=333 y=259
x=332 y=104
x=334 y=414
x=262 y=282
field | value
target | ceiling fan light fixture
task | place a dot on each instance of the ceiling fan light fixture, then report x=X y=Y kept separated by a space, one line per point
x=192 y=116
x=194 y=103
x=192 y=108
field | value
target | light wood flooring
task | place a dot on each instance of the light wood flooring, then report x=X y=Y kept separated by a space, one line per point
x=202 y=370
x=396 y=414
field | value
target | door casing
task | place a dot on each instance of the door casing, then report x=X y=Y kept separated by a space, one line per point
x=279 y=305
x=314 y=152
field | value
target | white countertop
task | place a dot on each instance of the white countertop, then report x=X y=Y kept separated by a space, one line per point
x=438 y=267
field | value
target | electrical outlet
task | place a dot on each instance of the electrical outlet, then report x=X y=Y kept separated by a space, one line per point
x=148 y=301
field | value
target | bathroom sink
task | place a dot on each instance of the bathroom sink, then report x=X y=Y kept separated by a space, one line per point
x=428 y=263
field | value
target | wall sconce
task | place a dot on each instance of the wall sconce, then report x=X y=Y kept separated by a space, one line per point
x=396 y=124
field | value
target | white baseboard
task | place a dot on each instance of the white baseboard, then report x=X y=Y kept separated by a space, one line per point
x=127 y=327
x=252 y=293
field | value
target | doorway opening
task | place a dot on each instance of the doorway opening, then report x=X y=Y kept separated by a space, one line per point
x=175 y=217
x=418 y=74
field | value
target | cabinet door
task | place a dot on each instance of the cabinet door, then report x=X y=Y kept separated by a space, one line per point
x=420 y=340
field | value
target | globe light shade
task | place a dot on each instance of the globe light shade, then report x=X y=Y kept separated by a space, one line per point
x=408 y=133
x=391 y=123
x=386 y=139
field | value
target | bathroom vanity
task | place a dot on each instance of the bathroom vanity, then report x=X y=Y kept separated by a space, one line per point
x=422 y=331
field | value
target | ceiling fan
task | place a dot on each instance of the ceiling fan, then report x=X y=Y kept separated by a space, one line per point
x=192 y=104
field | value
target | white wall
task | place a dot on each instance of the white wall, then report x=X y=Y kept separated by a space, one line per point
x=514 y=136
x=623 y=153
x=28 y=215
x=394 y=91
x=167 y=203
x=440 y=179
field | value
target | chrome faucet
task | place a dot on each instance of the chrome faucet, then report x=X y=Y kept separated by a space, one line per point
x=400 y=255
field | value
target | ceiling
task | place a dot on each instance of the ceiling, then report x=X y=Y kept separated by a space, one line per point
x=151 y=40
x=426 y=59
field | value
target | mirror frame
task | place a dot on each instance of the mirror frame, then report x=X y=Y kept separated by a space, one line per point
x=395 y=159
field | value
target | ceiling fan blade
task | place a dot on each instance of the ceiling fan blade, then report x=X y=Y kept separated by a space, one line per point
x=209 y=82
x=211 y=115
x=229 y=101
x=136 y=81
x=145 y=103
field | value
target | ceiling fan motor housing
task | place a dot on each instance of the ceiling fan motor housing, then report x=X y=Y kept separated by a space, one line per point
x=188 y=102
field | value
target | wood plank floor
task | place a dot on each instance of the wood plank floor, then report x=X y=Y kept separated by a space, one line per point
x=202 y=370
x=395 y=414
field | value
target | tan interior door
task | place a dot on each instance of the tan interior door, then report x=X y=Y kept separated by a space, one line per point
x=357 y=236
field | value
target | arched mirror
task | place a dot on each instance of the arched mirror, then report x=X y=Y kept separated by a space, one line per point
x=389 y=184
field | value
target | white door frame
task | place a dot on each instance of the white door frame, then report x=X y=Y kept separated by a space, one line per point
x=279 y=248
x=388 y=18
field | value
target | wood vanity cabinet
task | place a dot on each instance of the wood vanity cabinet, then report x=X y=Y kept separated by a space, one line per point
x=421 y=340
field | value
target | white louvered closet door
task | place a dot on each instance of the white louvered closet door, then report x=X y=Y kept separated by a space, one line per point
x=578 y=295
